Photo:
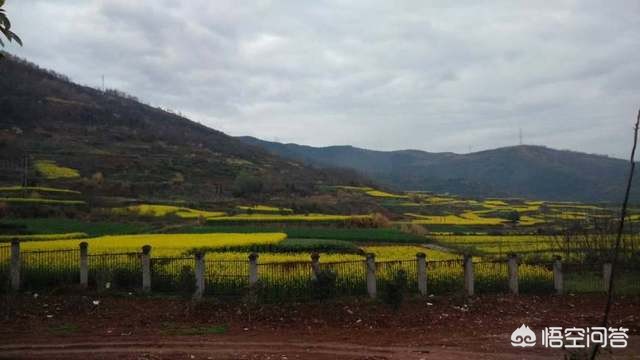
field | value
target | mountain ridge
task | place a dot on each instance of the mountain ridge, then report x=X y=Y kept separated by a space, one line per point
x=530 y=171
x=121 y=147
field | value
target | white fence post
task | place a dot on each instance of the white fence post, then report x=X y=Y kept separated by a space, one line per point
x=372 y=287
x=421 y=259
x=200 y=274
x=513 y=273
x=84 y=264
x=146 y=269
x=468 y=275
x=558 y=280
x=15 y=265
x=315 y=265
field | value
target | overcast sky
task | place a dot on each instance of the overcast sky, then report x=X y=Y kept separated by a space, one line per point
x=429 y=75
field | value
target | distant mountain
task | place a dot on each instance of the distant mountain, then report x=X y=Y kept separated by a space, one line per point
x=121 y=147
x=534 y=172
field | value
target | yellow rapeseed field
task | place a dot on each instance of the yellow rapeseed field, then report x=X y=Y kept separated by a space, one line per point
x=162 y=244
x=265 y=208
x=164 y=210
x=406 y=252
x=50 y=170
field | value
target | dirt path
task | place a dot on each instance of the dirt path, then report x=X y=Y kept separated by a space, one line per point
x=72 y=327
x=216 y=349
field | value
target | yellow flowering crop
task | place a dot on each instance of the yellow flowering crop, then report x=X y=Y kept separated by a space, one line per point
x=162 y=244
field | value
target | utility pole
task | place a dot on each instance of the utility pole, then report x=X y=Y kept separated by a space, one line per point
x=520 y=135
x=103 y=89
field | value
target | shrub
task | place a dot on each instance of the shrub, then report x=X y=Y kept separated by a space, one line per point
x=395 y=290
x=186 y=281
x=414 y=229
x=246 y=184
x=324 y=285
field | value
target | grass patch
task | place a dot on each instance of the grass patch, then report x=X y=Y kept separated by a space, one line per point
x=40 y=201
x=273 y=218
x=43 y=237
x=63 y=329
x=38 y=189
x=176 y=330
x=64 y=226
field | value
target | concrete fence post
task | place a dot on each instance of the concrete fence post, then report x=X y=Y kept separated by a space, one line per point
x=15 y=265
x=513 y=273
x=146 y=269
x=315 y=265
x=468 y=275
x=253 y=269
x=421 y=259
x=200 y=273
x=606 y=275
x=84 y=264
x=372 y=287
x=558 y=280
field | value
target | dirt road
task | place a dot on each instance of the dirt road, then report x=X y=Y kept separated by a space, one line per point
x=95 y=327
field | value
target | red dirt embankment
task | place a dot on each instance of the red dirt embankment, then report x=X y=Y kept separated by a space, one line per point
x=95 y=327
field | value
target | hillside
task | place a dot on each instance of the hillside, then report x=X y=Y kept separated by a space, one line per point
x=533 y=172
x=108 y=143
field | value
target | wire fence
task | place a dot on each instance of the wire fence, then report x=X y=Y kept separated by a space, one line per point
x=491 y=277
x=121 y=271
x=41 y=270
x=445 y=276
x=173 y=274
x=226 y=277
x=535 y=277
x=5 y=258
x=350 y=276
x=286 y=281
x=297 y=281
x=387 y=272
x=583 y=277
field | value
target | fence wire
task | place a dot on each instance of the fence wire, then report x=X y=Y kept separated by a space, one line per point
x=294 y=281
x=445 y=276
x=5 y=259
x=121 y=271
x=226 y=277
x=491 y=276
x=387 y=272
x=535 y=277
x=173 y=274
x=41 y=270
x=350 y=276
x=286 y=281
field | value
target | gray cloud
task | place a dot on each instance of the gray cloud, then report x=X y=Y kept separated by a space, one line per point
x=436 y=75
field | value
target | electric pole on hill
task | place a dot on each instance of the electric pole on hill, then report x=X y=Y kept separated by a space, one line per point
x=520 y=135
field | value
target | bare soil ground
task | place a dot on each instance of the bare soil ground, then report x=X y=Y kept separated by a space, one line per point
x=74 y=327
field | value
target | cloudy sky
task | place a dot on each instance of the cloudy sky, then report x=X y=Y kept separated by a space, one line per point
x=429 y=75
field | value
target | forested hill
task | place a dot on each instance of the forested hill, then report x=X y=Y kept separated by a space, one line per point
x=111 y=144
x=534 y=172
